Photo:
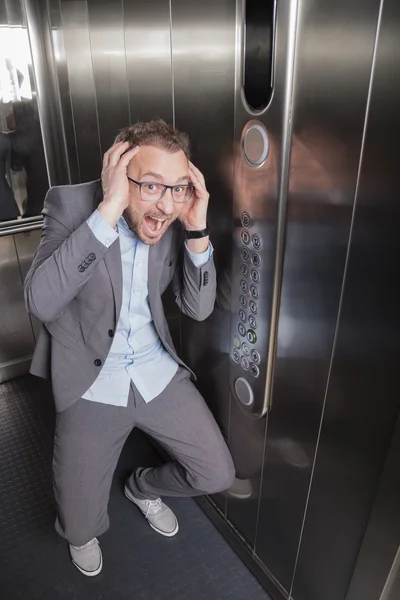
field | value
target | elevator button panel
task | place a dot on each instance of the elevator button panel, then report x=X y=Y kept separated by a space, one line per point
x=246 y=353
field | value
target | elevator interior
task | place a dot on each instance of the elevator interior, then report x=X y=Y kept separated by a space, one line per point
x=292 y=109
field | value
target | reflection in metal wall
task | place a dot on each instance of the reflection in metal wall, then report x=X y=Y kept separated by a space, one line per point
x=23 y=175
x=281 y=155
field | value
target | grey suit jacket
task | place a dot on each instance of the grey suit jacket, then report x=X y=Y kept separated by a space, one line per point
x=74 y=287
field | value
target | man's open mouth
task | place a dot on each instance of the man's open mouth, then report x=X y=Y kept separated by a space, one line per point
x=154 y=225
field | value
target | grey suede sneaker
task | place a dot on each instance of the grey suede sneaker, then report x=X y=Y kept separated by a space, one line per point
x=159 y=515
x=88 y=558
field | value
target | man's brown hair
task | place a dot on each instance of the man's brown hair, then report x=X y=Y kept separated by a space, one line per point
x=155 y=133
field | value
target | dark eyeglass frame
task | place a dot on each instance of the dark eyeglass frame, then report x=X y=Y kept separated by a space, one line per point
x=166 y=187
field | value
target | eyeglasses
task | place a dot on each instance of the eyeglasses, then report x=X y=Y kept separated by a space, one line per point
x=151 y=191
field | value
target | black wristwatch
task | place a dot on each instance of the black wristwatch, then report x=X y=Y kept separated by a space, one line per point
x=195 y=235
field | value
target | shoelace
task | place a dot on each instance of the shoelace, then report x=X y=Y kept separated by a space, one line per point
x=153 y=506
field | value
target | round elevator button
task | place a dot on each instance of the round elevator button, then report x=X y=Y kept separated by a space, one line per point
x=246 y=221
x=245 y=349
x=252 y=322
x=242 y=329
x=245 y=237
x=242 y=315
x=256 y=145
x=253 y=307
x=236 y=341
x=254 y=370
x=243 y=300
x=245 y=363
x=254 y=291
x=236 y=355
x=245 y=254
x=244 y=269
x=256 y=259
x=243 y=285
x=256 y=242
x=255 y=357
x=251 y=336
x=244 y=391
x=255 y=275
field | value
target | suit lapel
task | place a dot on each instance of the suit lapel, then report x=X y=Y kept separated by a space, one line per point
x=114 y=267
x=112 y=260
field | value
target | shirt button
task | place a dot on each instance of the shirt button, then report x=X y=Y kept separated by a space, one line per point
x=97 y=362
x=107 y=241
x=110 y=333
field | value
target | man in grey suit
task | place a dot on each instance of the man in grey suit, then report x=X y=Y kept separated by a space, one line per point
x=108 y=251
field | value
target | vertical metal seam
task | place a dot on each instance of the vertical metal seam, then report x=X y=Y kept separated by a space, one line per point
x=348 y=252
x=280 y=244
x=70 y=96
x=172 y=63
x=126 y=63
x=42 y=120
x=56 y=90
x=94 y=84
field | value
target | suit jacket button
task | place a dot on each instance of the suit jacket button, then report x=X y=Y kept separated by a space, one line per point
x=110 y=333
x=97 y=362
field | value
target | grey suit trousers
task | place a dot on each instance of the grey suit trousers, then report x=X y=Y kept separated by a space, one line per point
x=89 y=438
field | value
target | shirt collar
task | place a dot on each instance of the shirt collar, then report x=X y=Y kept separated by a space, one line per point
x=123 y=227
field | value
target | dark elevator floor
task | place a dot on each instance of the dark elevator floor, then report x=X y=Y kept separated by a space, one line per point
x=34 y=561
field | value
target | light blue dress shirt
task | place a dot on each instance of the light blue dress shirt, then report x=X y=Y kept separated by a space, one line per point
x=136 y=352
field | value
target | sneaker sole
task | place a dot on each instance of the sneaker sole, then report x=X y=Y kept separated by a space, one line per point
x=89 y=573
x=160 y=531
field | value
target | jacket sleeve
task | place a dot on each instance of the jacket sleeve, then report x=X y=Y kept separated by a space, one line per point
x=64 y=261
x=194 y=287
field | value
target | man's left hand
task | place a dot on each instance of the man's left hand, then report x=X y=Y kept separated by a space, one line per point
x=194 y=217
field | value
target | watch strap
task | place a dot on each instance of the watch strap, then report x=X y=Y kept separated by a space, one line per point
x=194 y=235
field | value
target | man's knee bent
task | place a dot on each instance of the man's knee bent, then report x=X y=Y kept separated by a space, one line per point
x=218 y=477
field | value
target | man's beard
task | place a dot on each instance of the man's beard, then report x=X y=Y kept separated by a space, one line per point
x=134 y=222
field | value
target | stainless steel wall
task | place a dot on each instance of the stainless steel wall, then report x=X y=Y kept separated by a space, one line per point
x=325 y=212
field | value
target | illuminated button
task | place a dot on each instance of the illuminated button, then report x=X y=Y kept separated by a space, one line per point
x=246 y=221
x=245 y=349
x=242 y=315
x=236 y=341
x=254 y=370
x=245 y=254
x=245 y=237
x=255 y=357
x=243 y=300
x=252 y=322
x=252 y=336
x=243 y=285
x=244 y=269
x=253 y=307
x=256 y=259
x=255 y=275
x=242 y=329
x=236 y=355
x=254 y=291
x=245 y=363
x=256 y=242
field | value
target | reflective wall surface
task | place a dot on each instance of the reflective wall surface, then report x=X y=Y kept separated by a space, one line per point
x=298 y=361
x=23 y=177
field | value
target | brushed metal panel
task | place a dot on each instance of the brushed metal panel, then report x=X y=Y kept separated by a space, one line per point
x=203 y=50
x=16 y=337
x=148 y=59
x=362 y=402
x=65 y=121
x=26 y=245
x=109 y=67
x=335 y=42
x=75 y=26
x=259 y=193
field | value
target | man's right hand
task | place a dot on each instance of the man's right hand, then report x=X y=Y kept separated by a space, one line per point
x=115 y=182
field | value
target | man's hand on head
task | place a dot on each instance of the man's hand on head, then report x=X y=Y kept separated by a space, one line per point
x=115 y=182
